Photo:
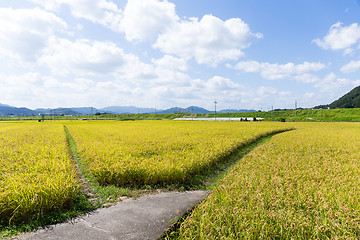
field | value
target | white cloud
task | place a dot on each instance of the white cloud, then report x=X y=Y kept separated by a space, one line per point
x=37 y=90
x=48 y=5
x=19 y=89
x=266 y=91
x=86 y=57
x=171 y=63
x=101 y=12
x=340 y=37
x=218 y=83
x=210 y=40
x=25 y=32
x=145 y=19
x=307 y=78
x=278 y=71
x=331 y=83
x=352 y=66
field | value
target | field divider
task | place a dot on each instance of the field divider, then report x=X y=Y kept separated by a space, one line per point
x=218 y=171
x=211 y=176
x=96 y=193
x=88 y=182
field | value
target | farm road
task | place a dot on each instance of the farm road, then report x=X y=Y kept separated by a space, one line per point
x=144 y=218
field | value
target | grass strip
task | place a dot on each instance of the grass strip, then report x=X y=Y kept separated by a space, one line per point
x=135 y=154
x=95 y=192
x=40 y=179
x=212 y=177
x=302 y=184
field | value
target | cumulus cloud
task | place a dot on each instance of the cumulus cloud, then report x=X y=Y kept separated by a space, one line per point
x=145 y=19
x=307 y=78
x=210 y=40
x=218 y=83
x=340 y=37
x=332 y=83
x=278 y=71
x=171 y=63
x=38 y=90
x=47 y=5
x=86 y=57
x=352 y=66
x=101 y=12
x=25 y=32
x=28 y=88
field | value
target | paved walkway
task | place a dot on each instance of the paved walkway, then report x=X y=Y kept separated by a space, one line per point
x=144 y=218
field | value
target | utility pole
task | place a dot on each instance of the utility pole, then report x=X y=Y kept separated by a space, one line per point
x=229 y=114
x=215 y=108
x=295 y=107
x=272 y=112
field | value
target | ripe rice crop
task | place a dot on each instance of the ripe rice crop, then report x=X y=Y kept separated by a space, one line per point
x=152 y=152
x=36 y=171
x=303 y=184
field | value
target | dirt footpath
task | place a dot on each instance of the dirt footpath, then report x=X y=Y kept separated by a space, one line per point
x=144 y=218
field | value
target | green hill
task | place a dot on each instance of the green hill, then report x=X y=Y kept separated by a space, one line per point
x=349 y=100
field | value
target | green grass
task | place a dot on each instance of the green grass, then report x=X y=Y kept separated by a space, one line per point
x=100 y=194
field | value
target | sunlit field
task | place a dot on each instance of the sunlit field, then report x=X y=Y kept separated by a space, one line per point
x=37 y=174
x=303 y=184
x=152 y=152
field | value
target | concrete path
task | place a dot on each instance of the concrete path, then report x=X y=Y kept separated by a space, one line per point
x=144 y=218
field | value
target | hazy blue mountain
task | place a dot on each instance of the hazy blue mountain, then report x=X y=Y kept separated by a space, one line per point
x=191 y=109
x=9 y=110
x=127 y=109
x=4 y=105
x=195 y=109
x=172 y=110
x=85 y=110
x=236 y=110
x=56 y=111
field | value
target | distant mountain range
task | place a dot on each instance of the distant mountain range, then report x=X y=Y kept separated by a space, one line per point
x=6 y=110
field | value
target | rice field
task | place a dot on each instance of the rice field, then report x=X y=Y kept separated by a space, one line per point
x=37 y=174
x=153 y=152
x=303 y=184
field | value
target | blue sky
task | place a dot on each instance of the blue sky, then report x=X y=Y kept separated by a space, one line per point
x=154 y=53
